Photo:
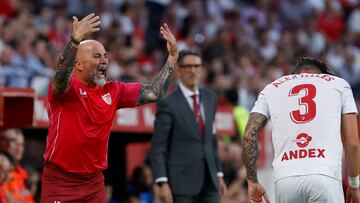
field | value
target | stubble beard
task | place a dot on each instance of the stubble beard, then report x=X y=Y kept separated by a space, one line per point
x=99 y=81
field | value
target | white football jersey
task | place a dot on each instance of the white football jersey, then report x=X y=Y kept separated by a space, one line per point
x=305 y=110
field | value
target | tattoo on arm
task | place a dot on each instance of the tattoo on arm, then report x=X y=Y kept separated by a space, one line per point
x=157 y=89
x=65 y=67
x=250 y=144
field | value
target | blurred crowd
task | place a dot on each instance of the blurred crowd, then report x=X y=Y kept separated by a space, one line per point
x=245 y=45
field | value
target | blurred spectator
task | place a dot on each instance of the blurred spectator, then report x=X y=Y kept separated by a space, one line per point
x=23 y=65
x=294 y=12
x=43 y=21
x=16 y=186
x=350 y=70
x=109 y=193
x=267 y=48
x=5 y=170
x=156 y=9
x=131 y=199
x=33 y=182
x=336 y=57
x=240 y=113
x=127 y=21
x=319 y=5
x=330 y=22
x=4 y=51
x=4 y=167
x=231 y=162
x=313 y=41
x=141 y=184
x=354 y=19
x=7 y=9
x=58 y=34
x=237 y=192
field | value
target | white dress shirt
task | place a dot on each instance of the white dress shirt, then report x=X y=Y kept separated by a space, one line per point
x=188 y=95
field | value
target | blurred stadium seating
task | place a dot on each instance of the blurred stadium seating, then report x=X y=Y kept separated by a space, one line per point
x=245 y=44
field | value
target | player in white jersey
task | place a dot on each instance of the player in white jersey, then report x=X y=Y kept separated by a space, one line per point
x=308 y=110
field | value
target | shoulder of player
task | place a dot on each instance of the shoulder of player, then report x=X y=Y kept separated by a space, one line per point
x=267 y=88
x=339 y=82
x=113 y=83
x=339 y=79
x=118 y=84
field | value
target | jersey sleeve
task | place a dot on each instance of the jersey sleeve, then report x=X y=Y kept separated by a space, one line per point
x=261 y=105
x=128 y=94
x=348 y=102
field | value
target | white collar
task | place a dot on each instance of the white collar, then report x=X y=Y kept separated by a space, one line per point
x=187 y=92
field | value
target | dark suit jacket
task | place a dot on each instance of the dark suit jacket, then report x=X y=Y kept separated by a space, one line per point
x=178 y=151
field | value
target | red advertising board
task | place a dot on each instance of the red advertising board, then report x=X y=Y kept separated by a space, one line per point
x=139 y=119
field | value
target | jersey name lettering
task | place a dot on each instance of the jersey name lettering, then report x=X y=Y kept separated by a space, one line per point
x=303 y=153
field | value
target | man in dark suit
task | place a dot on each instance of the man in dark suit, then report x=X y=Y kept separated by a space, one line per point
x=184 y=147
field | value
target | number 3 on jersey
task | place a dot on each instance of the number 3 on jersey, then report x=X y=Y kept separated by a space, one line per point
x=307 y=101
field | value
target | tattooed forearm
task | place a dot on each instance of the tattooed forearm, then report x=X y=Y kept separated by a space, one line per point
x=250 y=144
x=65 y=67
x=157 y=89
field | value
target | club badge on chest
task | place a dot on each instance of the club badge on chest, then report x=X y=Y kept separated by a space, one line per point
x=107 y=98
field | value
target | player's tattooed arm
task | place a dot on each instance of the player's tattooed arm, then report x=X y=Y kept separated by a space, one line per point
x=158 y=87
x=65 y=67
x=255 y=125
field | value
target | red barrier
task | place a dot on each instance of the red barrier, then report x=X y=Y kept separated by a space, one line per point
x=20 y=108
x=16 y=107
x=140 y=119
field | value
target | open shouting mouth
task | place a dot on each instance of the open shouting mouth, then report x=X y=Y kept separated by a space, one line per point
x=101 y=71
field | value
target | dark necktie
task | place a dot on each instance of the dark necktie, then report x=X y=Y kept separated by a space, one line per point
x=197 y=114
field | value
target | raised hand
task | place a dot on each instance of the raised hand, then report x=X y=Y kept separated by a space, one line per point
x=171 y=41
x=84 y=27
x=158 y=87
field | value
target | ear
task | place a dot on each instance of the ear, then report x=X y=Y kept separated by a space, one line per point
x=78 y=65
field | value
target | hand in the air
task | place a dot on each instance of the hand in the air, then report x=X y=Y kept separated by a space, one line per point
x=171 y=41
x=84 y=27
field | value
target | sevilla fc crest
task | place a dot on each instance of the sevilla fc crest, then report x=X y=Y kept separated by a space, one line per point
x=107 y=98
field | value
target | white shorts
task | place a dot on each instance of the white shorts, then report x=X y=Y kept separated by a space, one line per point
x=308 y=189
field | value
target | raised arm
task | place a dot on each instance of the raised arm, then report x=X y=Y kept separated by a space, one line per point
x=352 y=154
x=253 y=128
x=66 y=63
x=158 y=87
